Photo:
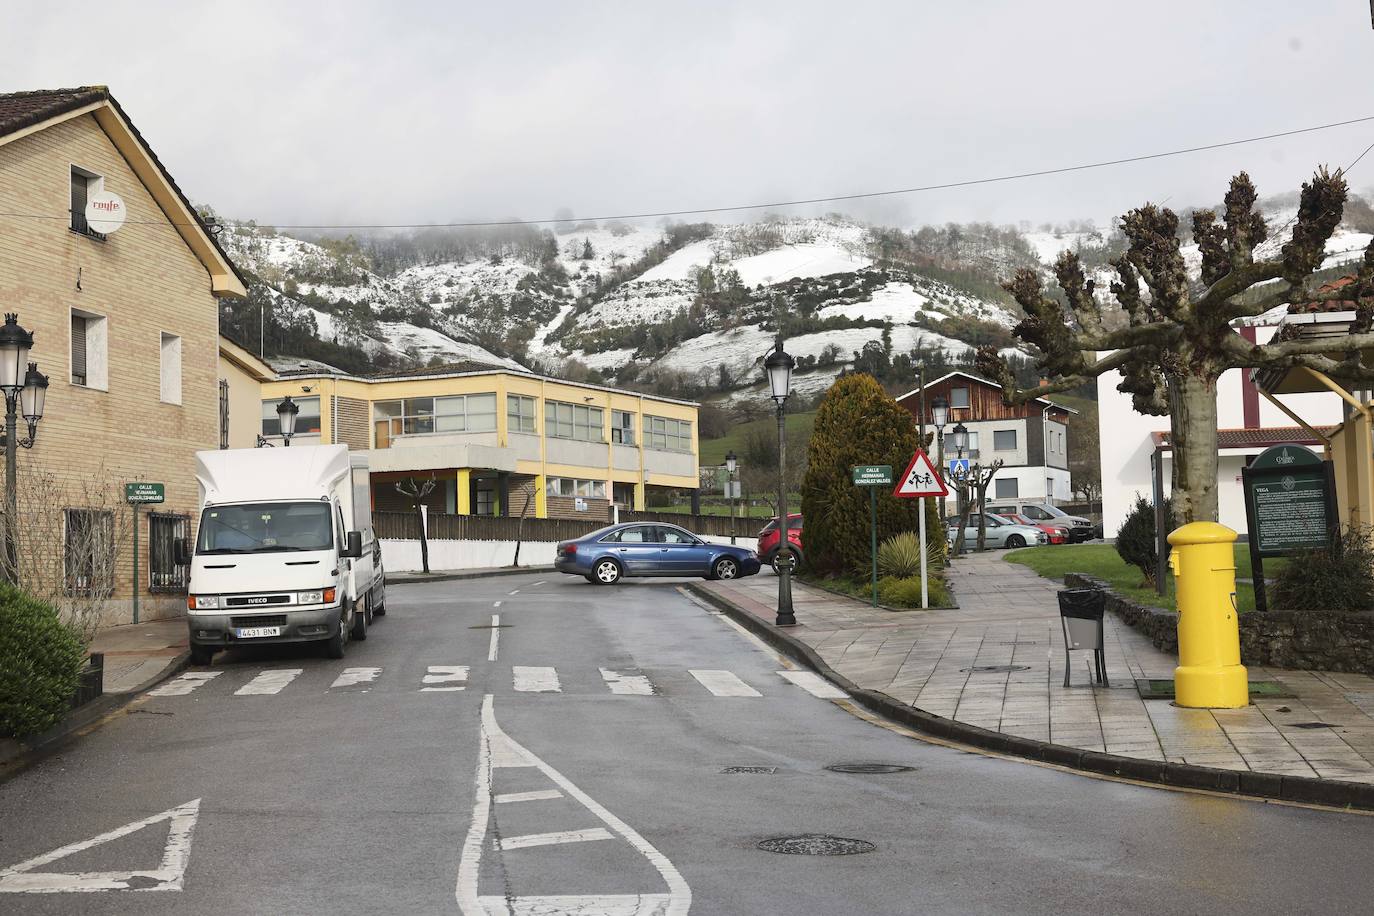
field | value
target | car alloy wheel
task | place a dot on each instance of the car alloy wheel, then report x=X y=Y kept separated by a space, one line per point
x=1016 y=541
x=607 y=572
x=726 y=568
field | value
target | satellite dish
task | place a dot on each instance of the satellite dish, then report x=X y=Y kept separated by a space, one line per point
x=104 y=212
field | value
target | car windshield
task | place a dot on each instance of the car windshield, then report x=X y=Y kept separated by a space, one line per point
x=265 y=528
x=1055 y=511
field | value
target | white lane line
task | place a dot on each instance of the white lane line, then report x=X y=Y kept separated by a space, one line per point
x=350 y=677
x=529 y=679
x=723 y=683
x=516 y=592
x=183 y=685
x=492 y=741
x=269 y=682
x=497 y=604
x=541 y=795
x=815 y=685
x=495 y=636
x=552 y=839
x=629 y=684
x=540 y=582
x=446 y=675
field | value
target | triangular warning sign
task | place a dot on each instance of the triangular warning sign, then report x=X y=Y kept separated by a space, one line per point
x=22 y=879
x=921 y=478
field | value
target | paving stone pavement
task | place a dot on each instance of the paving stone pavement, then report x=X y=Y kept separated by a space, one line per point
x=137 y=652
x=1009 y=616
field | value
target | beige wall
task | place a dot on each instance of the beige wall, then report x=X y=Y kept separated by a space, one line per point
x=145 y=281
x=245 y=404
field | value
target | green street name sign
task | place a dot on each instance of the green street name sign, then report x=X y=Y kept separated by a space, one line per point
x=873 y=475
x=144 y=492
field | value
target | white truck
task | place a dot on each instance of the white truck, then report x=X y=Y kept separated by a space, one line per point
x=285 y=550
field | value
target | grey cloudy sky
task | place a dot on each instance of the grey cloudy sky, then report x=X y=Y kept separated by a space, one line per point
x=429 y=111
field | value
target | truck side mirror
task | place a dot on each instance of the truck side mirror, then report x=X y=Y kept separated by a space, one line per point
x=354 y=548
x=181 y=552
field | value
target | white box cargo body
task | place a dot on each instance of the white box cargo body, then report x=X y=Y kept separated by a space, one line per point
x=285 y=550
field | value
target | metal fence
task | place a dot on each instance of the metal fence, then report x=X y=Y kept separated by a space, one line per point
x=405 y=526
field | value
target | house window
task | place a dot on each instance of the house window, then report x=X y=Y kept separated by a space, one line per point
x=171 y=368
x=84 y=184
x=89 y=349
x=573 y=421
x=164 y=530
x=1004 y=440
x=88 y=552
x=958 y=397
x=520 y=414
x=1005 y=488
x=568 y=488
x=307 y=421
x=972 y=450
x=485 y=503
x=667 y=434
x=622 y=427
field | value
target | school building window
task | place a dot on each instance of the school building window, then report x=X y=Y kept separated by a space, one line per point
x=520 y=414
x=573 y=421
x=622 y=427
x=571 y=487
x=307 y=421
x=667 y=434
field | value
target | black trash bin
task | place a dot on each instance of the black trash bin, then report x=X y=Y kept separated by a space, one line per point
x=1080 y=615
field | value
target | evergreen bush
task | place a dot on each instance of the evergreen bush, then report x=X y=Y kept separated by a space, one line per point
x=905 y=592
x=1341 y=579
x=1135 y=539
x=40 y=664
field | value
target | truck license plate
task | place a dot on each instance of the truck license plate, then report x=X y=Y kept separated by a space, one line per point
x=254 y=632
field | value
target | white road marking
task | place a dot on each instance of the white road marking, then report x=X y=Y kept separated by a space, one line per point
x=168 y=876
x=541 y=795
x=496 y=604
x=540 y=582
x=552 y=839
x=536 y=680
x=630 y=684
x=496 y=748
x=269 y=682
x=516 y=592
x=723 y=683
x=446 y=675
x=815 y=685
x=184 y=684
x=495 y=636
x=350 y=677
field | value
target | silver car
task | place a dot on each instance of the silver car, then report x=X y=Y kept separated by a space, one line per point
x=1000 y=532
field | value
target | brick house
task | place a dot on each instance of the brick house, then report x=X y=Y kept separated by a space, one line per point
x=126 y=328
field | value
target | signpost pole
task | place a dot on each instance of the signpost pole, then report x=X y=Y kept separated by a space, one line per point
x=1256 y=559
x=873 y=533
x=925 y=592
x=134 y=506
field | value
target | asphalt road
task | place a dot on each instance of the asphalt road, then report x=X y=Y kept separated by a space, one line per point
x=362 y=792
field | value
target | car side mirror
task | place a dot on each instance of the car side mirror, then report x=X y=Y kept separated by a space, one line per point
x=354 y=548
x=181 y=552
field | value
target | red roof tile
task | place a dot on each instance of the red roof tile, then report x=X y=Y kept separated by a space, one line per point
x=24 y=109
x=1261 y=437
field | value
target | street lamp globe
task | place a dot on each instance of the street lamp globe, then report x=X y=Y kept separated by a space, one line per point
x=779 y=366
x=731 y=461
x=960 y=439
x=286 y=415
x=35 y=393
x=15 y=343
x=939 y=412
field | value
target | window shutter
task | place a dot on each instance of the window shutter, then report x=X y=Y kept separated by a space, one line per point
x=80 y=184
x=78 y=350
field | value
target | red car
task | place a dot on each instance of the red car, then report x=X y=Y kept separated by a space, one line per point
x=769 y=542
x=1056 y=534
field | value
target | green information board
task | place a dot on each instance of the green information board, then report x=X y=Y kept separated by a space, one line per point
x=144 y=493
x=873 y=475
x=1290 y=505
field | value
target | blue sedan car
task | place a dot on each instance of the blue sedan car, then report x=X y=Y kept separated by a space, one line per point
x=651 y=549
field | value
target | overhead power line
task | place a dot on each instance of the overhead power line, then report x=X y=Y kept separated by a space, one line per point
x=769 y=205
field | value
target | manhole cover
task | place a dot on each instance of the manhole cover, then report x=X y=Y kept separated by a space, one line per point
x=1311 y=725
x=816 y=844
x=869 y=768
x=996 y=669
x=762 y=771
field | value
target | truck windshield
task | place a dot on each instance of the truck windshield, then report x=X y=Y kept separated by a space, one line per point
x=265 y=528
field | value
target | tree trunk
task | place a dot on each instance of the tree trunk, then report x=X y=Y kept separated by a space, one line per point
x=424 y=541
x=1193 y=415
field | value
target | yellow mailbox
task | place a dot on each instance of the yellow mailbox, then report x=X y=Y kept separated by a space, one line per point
x=1209 y=672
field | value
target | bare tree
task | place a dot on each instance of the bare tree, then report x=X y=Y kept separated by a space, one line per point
x=972 y=489
x=417 y=490
x=526 y=490
x=1180 y=336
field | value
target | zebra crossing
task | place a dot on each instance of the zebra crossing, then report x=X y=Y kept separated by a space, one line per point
x=523 y=679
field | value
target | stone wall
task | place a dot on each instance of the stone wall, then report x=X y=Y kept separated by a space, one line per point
x=1299 y=640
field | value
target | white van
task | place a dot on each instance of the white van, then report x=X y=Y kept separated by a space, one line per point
x=285 y=550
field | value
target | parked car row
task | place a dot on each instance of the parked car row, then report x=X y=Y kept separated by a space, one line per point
x=1023 y=524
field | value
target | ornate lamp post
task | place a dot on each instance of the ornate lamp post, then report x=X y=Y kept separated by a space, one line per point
x=731 y=462
x=26 y=392
x=287 y=410
x=779 y=366
x=960 y=443
x=939 y=414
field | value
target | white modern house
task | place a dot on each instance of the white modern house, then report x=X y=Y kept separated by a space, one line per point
x=1248 y=424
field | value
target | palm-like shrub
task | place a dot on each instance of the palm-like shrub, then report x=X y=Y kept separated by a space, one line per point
x=900 y=556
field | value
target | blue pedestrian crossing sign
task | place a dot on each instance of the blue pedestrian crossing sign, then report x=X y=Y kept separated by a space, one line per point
x=958 y=467
x=921 y=479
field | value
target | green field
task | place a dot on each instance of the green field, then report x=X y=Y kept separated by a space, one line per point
x=1102 y=561
x=713 y=450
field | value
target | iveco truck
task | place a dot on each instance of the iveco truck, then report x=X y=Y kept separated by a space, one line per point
x=284 y=552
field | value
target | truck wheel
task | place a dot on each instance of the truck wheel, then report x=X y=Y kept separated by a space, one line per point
x=359 y=631
x=334 y=645
x=201 y=655
x=379 y=606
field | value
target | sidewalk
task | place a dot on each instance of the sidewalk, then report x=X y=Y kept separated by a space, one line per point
x=137 y=652
x=1008 y=616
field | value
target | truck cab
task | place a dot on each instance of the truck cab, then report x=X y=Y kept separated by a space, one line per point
x=284 y=551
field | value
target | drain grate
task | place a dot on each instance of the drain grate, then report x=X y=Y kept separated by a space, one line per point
x=816 y=844
x=996 y=669
x=869 y=769
x=759 y=771
x=1163 y=689
x=1310 y=725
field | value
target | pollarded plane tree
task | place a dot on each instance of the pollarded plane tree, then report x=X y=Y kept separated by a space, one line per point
x=1180 y=334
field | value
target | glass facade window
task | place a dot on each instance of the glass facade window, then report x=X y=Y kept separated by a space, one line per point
x=307 y=421
x=569 y=487
x=520 y=414
x=573 y=421
x=464 y=413
x=622 y=427
x=667 y=434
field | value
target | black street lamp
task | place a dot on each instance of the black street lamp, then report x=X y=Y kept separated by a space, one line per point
x=960 y=443
x=731 y=462
x=286 y=419
x=939 y=414
x=25 y=389
x=779 y=366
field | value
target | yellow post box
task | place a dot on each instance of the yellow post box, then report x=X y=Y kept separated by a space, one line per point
x=1209 y=672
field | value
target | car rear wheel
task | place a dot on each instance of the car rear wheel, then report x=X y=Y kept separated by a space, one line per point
x=606 y=572
x=725 y=568
x=1016 y=540
x=796 y=560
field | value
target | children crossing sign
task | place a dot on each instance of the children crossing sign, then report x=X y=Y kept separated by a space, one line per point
x=921 y=479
